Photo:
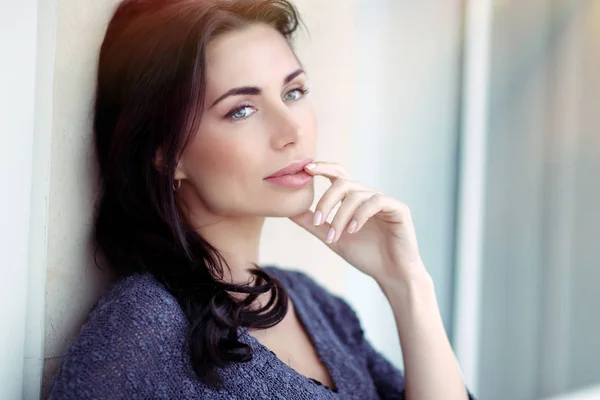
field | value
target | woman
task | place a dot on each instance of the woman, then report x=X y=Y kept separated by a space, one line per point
x=202 y=129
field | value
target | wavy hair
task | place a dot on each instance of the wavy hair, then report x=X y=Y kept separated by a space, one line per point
x=149 y=98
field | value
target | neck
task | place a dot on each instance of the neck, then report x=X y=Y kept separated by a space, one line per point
x=238 y=240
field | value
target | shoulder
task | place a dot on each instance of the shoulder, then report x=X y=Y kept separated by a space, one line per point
x=132 y=335
x=138 y=297
x=316 y=299
x=133 y=304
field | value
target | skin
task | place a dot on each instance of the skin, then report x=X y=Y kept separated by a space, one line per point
x=224 y=194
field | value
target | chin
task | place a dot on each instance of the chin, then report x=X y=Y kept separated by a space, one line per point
x=292 y=204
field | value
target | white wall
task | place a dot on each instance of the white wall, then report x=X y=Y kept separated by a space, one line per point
x=17 y=112
x=73 y=281
x=26 y=55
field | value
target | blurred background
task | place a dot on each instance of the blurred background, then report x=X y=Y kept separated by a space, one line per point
x=482 y=115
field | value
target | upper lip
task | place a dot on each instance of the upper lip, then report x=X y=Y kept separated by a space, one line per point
x=291 y=169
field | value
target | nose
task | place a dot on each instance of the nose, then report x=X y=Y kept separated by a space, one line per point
x=286 y=129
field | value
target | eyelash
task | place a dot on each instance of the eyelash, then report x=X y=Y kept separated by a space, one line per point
x=304 y=90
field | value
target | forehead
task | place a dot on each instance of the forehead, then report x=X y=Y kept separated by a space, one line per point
x=257 y=55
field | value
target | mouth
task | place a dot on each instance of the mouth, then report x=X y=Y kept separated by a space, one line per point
x=291 y=177
x=292 y=169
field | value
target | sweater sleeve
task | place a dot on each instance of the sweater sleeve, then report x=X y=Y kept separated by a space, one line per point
x=96 y=374
x=126 y=344
x=388 y=380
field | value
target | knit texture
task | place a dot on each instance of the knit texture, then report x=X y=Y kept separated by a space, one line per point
x=132 y=347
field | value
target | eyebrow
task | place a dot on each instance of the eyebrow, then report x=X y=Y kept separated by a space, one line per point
x=253 y=90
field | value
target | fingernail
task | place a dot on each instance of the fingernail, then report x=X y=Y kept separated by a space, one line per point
x=330 y=235
x=317 y=218
x=352 y=226
x=311 y=166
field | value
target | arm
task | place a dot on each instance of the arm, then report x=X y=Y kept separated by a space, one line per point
x=431 y=370
x=376 y=235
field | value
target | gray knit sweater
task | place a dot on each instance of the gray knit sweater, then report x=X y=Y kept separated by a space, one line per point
x=132 y=347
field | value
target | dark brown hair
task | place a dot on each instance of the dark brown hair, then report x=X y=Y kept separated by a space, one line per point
x=150 y=96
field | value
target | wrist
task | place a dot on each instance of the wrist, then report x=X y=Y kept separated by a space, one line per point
x=416 y=290
x=413 y=276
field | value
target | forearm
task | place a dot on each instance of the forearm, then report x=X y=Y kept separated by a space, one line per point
x=430 y=367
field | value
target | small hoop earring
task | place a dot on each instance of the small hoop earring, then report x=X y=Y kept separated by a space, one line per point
x=176 y=185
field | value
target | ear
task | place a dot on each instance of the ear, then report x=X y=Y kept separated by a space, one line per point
x=159 y=164
x=179 y=173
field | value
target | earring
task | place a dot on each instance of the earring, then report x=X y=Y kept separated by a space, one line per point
x=176 y=185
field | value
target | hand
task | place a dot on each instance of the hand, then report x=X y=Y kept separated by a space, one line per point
x=371 y=231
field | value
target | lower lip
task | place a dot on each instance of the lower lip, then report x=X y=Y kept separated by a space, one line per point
x=295 y=181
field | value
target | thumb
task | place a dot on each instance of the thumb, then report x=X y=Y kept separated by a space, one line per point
x=305 y=220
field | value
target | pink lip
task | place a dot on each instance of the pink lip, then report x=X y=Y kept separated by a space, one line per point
x=293 y=176
x=290 y=169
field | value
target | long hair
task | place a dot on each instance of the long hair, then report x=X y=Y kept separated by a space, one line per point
x=150 y=94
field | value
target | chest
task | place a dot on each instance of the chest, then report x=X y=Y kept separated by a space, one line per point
x=292 y=344
x=286 y=357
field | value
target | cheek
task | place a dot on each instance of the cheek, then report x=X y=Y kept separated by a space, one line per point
x=216 y=162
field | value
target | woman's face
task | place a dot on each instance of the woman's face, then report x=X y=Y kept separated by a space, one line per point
x=256 y=121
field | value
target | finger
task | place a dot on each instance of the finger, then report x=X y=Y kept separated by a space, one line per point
x=386 y=208
x=335 y=194
x=367 y=210
x=305 y=220
x=341 y=221
x=331 y=171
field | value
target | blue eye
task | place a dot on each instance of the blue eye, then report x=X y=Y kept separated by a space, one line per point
x=241 y=113
x=295 y=94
